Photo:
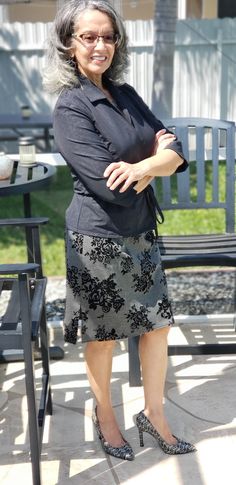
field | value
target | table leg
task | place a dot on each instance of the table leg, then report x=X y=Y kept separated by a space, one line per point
x=27 y=205
x=47 y=139
x=28 y=232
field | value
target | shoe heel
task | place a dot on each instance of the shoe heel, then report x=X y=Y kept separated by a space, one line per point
x=141 y=442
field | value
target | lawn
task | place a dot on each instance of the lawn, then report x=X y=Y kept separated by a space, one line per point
x=53 y=203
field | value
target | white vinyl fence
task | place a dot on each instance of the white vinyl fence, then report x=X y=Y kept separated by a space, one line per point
x=205 y=69
x=204 y=66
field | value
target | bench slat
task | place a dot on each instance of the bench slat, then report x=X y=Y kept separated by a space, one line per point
x=11 y=317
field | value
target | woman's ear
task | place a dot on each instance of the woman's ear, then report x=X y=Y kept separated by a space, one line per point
x=71 y=52
x=72 y=61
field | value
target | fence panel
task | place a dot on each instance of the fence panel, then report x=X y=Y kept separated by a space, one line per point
x=205 y=69
x=204 y=66
x=22 y=61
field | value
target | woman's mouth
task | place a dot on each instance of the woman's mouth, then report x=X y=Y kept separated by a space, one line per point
x=99 y=58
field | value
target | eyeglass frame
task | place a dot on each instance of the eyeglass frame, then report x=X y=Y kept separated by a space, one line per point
x=97 y=37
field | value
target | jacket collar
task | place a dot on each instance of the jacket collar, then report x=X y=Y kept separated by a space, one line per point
x=92 y=92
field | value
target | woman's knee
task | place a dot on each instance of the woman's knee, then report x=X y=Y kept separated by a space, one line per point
x=101 y=346
x=157 y=333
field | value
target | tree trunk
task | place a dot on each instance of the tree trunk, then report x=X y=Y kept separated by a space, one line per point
x=164 y=43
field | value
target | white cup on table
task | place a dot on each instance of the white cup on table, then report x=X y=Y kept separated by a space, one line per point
x=26 y=111
x=6 y=166
x=27 y=151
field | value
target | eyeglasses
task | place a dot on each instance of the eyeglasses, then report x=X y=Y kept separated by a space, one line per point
x=91 y=39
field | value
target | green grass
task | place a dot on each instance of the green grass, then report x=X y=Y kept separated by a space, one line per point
x=197 y=221
x=53 y=202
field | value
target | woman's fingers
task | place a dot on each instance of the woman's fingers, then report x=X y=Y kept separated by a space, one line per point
x=110 y=168
x=160 y=133
x=167 y=137
x=114 y=171
x=126 y=185
x=118 y=173
x=163 y=139
x=119 y=179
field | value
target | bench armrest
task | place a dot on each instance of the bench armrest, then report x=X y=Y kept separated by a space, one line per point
x=18 y=268
x=24 y=221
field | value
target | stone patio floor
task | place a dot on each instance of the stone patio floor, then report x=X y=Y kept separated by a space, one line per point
x=200 y=403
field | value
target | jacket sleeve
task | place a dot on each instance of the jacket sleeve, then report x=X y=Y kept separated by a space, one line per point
x=157 y=125
x=86 y=152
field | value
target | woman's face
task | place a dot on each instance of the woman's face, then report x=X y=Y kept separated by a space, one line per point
x=94 y=56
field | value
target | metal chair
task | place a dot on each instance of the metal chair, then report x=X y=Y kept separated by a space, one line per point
x=23 y=323
x=23 y=329
x=31 y=227
x=203 y=141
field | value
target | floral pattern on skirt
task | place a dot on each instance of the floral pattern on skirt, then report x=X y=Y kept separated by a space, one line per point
x=116 y=287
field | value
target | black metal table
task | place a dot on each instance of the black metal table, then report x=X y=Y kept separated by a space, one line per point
x=25 y=180
x=17 y=124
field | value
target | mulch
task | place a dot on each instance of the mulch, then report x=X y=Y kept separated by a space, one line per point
x=191 y=292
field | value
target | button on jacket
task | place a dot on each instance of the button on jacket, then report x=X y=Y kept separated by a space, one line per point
x=90 y=133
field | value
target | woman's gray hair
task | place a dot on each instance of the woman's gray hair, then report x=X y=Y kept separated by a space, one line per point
x=60 y=70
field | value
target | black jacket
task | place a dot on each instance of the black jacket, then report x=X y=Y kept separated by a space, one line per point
x=90 y=133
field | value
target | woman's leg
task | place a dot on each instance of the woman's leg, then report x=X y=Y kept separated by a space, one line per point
x=98 y=356
x=153 y=357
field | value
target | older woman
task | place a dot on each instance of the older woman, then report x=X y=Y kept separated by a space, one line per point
x=114 y=146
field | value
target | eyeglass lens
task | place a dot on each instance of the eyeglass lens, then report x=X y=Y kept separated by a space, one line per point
x=91 y=38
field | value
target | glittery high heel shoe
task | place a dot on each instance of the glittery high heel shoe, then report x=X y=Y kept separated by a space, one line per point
x=180 y=447
x=124 y=452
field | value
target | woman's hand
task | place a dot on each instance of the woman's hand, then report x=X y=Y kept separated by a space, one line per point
x=162 y=140
x=119 y=172
x=126 y=173
x=143 y=183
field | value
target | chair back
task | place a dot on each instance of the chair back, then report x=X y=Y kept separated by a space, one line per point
x=209 y=146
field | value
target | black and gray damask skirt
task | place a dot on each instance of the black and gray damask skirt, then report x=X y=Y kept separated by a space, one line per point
x=116 y=287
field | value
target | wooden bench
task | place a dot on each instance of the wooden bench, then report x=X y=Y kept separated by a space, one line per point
x=206 y=139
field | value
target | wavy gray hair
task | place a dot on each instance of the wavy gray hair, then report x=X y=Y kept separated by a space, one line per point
x=60 y=71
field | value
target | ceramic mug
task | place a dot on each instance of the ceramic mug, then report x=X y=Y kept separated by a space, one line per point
x=6 y=166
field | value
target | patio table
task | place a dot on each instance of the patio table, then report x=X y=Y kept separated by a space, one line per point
x=25 y=180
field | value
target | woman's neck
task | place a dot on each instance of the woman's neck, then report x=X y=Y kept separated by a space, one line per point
x=98 y=82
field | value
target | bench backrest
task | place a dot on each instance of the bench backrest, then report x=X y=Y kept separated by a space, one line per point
x=209 y=145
